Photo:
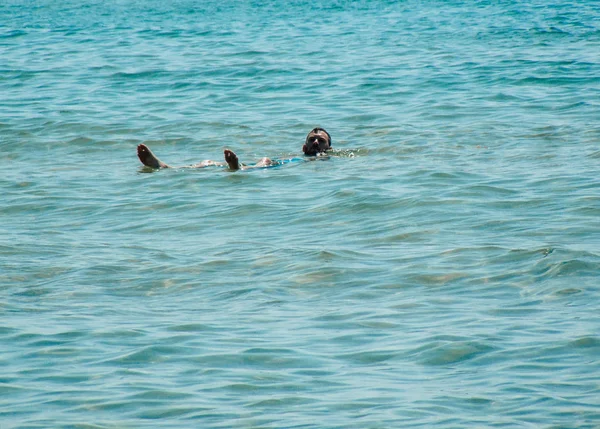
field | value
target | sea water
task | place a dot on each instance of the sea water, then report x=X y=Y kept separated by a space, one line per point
x=439 y=269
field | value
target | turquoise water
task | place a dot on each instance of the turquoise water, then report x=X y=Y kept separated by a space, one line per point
x=440 y=269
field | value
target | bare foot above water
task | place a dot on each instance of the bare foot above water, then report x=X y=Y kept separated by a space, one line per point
x=231 y=159
x=148 y=158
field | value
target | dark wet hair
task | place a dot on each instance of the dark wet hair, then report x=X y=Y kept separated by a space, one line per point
x=316 y=130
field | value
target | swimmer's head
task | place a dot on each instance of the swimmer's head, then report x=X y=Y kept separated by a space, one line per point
x=317 y=141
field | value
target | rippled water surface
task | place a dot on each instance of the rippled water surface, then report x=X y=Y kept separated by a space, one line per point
x=439 y=269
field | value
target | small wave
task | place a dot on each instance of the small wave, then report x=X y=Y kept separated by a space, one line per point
x=12 y=34
x=545 y=270
x=348 y=153
x=587 y=342
x=437 y=352
x=146 y=74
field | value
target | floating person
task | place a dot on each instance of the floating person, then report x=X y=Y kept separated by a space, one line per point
x=318 y=141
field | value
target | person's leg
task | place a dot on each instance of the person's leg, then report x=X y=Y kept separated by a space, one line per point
x=207 y=163
x=265 y=162
x=148 y=158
